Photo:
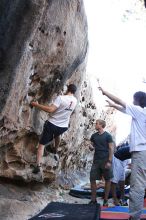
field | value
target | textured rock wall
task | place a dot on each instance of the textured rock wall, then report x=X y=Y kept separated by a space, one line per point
x=42 y=44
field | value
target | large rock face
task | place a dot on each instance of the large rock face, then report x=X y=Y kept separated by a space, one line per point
x=44 y=45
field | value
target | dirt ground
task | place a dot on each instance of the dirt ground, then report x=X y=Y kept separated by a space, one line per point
x=22 y=201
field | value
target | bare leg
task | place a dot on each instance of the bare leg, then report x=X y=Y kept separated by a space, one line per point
x=122 y=184
x=93 y=190
x=114 y=194
x=40 y=154
x=107 y=189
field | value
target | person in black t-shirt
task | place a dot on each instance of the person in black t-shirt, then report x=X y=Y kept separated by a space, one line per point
x=102 y=143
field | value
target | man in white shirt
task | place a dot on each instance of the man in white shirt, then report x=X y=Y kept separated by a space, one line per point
x=60 y=111
x=137 y=143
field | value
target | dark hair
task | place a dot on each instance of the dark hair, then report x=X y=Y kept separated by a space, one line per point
x=71 y=88
x=140 y=97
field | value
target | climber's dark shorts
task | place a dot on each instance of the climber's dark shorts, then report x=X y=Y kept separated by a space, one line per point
x=50 y=131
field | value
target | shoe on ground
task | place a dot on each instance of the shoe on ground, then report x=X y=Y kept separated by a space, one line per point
x=105 y=202
x=36 y=169
x=92 y=202
x=123 y=202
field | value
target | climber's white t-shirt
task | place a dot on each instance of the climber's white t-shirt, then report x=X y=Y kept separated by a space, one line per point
x=138 y=127
x=65 y=105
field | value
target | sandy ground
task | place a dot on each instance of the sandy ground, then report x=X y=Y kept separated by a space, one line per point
x=22 y=201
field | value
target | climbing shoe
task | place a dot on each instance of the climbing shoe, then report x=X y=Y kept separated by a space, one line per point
x=123 y=202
